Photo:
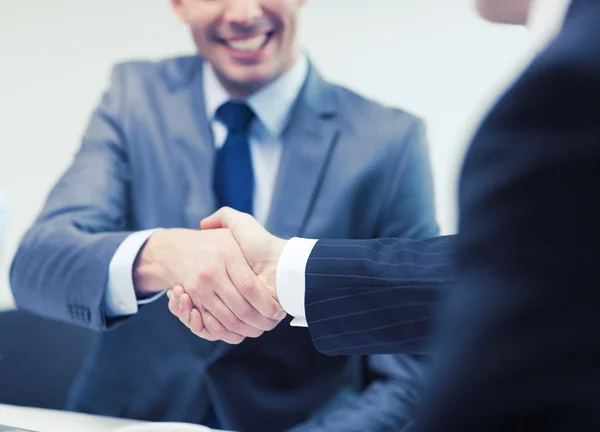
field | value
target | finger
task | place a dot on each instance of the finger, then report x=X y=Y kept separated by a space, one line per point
x=239 y=310
x=173 y=303
x=197 y=325
x=258 y=307
x=222 y=218
x=186 y=301
x=178 y=290
x=217 y=330
x=179 y=308
x=173 y=307
x=207 y=297
x=185 y=309
x=222 y=313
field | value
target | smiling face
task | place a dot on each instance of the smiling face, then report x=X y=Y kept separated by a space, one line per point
x=249 y=43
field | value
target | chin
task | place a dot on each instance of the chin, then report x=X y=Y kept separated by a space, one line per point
x=504 y=11
x=252 y=76
x=244 y=84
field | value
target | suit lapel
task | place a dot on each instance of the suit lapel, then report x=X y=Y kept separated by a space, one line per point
x=192 y=136
x=308 y=142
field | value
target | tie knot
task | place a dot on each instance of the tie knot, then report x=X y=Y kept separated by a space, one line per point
x=237 y=116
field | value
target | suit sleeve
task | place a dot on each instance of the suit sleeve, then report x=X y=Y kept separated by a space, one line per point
x=519 y=344
x=60 y=269
x=394 y=382
x=380 y=296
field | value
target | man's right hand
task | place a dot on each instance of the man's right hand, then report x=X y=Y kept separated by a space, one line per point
x=210 y=265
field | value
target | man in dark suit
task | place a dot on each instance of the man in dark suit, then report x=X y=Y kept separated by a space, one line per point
x=250 y=124
x=518 y=341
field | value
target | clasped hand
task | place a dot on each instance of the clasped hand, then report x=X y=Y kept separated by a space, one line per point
x=233 y=295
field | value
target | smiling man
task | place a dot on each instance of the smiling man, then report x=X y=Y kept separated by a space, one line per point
x=248 y=123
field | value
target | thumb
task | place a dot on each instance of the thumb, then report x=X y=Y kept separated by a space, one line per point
x=222 y=218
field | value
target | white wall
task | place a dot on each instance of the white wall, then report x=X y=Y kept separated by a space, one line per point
x=432 y=57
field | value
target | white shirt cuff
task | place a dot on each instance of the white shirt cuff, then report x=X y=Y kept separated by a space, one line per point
x=290 y=277
x=119 y=298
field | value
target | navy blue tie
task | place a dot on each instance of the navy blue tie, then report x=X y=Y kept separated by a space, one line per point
x=234 y=176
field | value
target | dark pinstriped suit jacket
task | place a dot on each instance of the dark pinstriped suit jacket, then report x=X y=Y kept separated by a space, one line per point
x=382 y=293
x=519 y=342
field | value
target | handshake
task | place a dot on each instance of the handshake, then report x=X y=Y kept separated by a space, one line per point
x=221 y=279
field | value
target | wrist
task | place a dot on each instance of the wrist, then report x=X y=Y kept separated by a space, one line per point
x=150 y=274
x=275 y=250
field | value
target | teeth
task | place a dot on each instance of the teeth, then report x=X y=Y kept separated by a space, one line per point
x=251 y=44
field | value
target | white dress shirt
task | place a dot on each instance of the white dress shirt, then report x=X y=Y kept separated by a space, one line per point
x=545 y=20
x=272 y=106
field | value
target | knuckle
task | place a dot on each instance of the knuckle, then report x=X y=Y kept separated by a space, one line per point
x=247 y=286
x=230 y=253
x=273 y=308
x=206 y=275
x=245 y=314
x=233 y=324
x=246 y=217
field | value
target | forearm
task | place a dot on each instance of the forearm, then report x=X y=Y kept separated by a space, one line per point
x=375 y=296
x=60 y=271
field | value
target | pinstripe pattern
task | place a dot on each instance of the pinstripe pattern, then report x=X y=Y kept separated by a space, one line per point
x=384 y=293
x=518 y=347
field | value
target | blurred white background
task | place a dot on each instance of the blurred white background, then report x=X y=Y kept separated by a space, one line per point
x=435 y=58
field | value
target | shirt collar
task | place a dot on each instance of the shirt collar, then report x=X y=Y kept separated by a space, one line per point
x=546 y=18
x=271 y=104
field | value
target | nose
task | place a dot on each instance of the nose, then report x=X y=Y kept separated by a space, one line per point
x=243 y=13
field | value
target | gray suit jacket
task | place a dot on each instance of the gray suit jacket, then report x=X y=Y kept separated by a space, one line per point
x=350 y=168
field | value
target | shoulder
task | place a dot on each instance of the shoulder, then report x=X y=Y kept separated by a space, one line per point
x=170 y=72
x=383 y=127
x=357 y=111
x=362 y=116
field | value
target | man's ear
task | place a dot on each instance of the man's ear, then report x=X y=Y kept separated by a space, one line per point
x=179 y=9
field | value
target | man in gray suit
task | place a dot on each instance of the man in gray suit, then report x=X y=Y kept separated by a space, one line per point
x=248 y=124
